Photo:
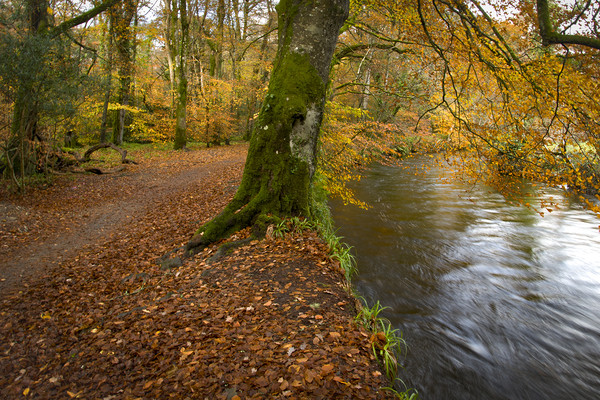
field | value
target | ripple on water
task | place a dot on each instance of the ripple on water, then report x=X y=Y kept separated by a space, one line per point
x=494 y=300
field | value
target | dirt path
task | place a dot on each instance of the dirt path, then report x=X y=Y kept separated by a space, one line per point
x=39 y=233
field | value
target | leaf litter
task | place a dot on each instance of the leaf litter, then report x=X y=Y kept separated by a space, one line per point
x=272 y=319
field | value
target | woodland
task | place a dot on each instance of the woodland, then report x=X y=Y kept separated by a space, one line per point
x=319 y=89
x=512 y=88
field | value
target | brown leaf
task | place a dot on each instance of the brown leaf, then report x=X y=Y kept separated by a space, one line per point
x=261 y=381
x=327 y=369
x=340 y=380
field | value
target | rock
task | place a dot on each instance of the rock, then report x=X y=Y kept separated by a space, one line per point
x=171 y=263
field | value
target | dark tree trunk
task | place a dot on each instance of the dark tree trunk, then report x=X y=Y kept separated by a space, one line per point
x=282 y=156
x=180 y=113
x=124 y=39
x=108 y=82
x=218 y=69
x=170 y=44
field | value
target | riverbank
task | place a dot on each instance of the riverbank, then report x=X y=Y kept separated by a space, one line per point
x=99 y=318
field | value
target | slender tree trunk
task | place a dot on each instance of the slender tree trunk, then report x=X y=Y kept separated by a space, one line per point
x=171 y=21
x=259 y=70
x=236 y=40
x=282 y=156
x=220 y=39
x=264 y=73
x=123 y=17
x=134 y=54
x=108 y=83
x=180 y=114
x=363 y=101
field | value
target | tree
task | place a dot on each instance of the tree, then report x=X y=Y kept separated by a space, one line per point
x=108 y=39
x=182 y=88
x=170 y=31
x=122 y=17
x=281 y=159
x=32 y=63
x=551 y=36
x=513 y=92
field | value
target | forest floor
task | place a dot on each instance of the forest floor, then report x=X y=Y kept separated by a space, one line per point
x=87 y=312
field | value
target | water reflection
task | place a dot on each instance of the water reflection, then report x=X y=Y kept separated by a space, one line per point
x=495 y=301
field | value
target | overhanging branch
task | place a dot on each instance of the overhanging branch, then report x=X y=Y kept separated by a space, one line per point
x=550 y=36
x=82 y=18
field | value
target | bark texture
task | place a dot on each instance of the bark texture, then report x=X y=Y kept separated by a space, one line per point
x=122 y=18
x=180 y=114
x=282 y=155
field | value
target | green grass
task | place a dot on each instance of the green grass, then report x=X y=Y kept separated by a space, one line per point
x=387 y=345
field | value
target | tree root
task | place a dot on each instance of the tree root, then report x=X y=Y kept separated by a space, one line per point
x=229 y=222
x=80 y=159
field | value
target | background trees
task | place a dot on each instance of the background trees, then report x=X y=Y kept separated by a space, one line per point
x=38 y=71
x=514 y=87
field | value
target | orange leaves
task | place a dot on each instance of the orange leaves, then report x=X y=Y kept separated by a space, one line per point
x=224 y=329
x=327 y=369
x=147 y=385
x=335 y=335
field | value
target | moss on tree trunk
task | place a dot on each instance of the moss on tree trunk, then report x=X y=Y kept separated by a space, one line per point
x=282 y=156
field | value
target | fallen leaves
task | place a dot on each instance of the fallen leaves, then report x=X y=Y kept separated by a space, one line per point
x=327 y=369
x=255 y=324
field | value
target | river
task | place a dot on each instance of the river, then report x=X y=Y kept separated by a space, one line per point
x=493 y=300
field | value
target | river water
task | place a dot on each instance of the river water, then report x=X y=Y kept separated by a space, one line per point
x=493 y=300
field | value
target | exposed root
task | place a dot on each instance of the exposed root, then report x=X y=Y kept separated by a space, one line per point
x=88 y=153
x=231 y=220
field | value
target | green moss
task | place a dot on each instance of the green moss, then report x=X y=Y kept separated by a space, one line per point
x=295 y=86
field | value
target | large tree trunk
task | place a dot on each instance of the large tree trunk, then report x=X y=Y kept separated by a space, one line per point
x=282 y=156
